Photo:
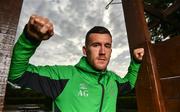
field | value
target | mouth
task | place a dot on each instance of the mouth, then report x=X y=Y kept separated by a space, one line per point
x=102 y=59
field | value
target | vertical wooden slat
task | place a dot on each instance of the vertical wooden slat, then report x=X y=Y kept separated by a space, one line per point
x=9 y=16
x=167 y=55
x=148 y=88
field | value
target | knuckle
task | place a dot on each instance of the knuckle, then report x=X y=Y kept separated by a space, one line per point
x=32 y=17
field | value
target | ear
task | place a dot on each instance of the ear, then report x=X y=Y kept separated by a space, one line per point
x=84 y=50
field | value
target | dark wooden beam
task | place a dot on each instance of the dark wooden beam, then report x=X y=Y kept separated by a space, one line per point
x=148 y=88
x=163 y=16
x=9 y=16
x=150 y=9
x=174 y=7
x=160 y=13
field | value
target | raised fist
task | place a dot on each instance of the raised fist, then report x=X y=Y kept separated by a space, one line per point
x=39 y=28
x=138 y=54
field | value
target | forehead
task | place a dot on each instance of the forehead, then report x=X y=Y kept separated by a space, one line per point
x=97 y=37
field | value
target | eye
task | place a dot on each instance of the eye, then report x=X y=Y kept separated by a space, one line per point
x=95 y=44
x=108 y=45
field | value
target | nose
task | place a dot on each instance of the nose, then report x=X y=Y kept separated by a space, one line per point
x=102 y=50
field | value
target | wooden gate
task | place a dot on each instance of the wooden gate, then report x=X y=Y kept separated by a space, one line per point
x=158 y=85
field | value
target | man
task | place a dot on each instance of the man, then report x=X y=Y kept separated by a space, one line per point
x=86 y=87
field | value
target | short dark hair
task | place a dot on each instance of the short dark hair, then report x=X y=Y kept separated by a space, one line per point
x=97 y=29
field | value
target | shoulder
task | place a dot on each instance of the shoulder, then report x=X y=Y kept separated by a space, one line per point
x=64 y=68
x=64 y=71
x=113 y=75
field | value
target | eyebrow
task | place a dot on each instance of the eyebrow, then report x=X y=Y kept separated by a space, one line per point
x=100 y=43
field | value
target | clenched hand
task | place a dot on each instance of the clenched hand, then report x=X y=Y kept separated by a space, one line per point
x=39 y=28
x=138 y=54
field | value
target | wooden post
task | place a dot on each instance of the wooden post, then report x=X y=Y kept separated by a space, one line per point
x=148 y=89
x=9 y=16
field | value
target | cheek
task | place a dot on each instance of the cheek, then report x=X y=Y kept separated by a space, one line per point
x=109 y=52
x=93 y=55
x=93 y=52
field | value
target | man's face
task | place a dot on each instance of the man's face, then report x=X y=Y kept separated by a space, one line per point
x=98 y=50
